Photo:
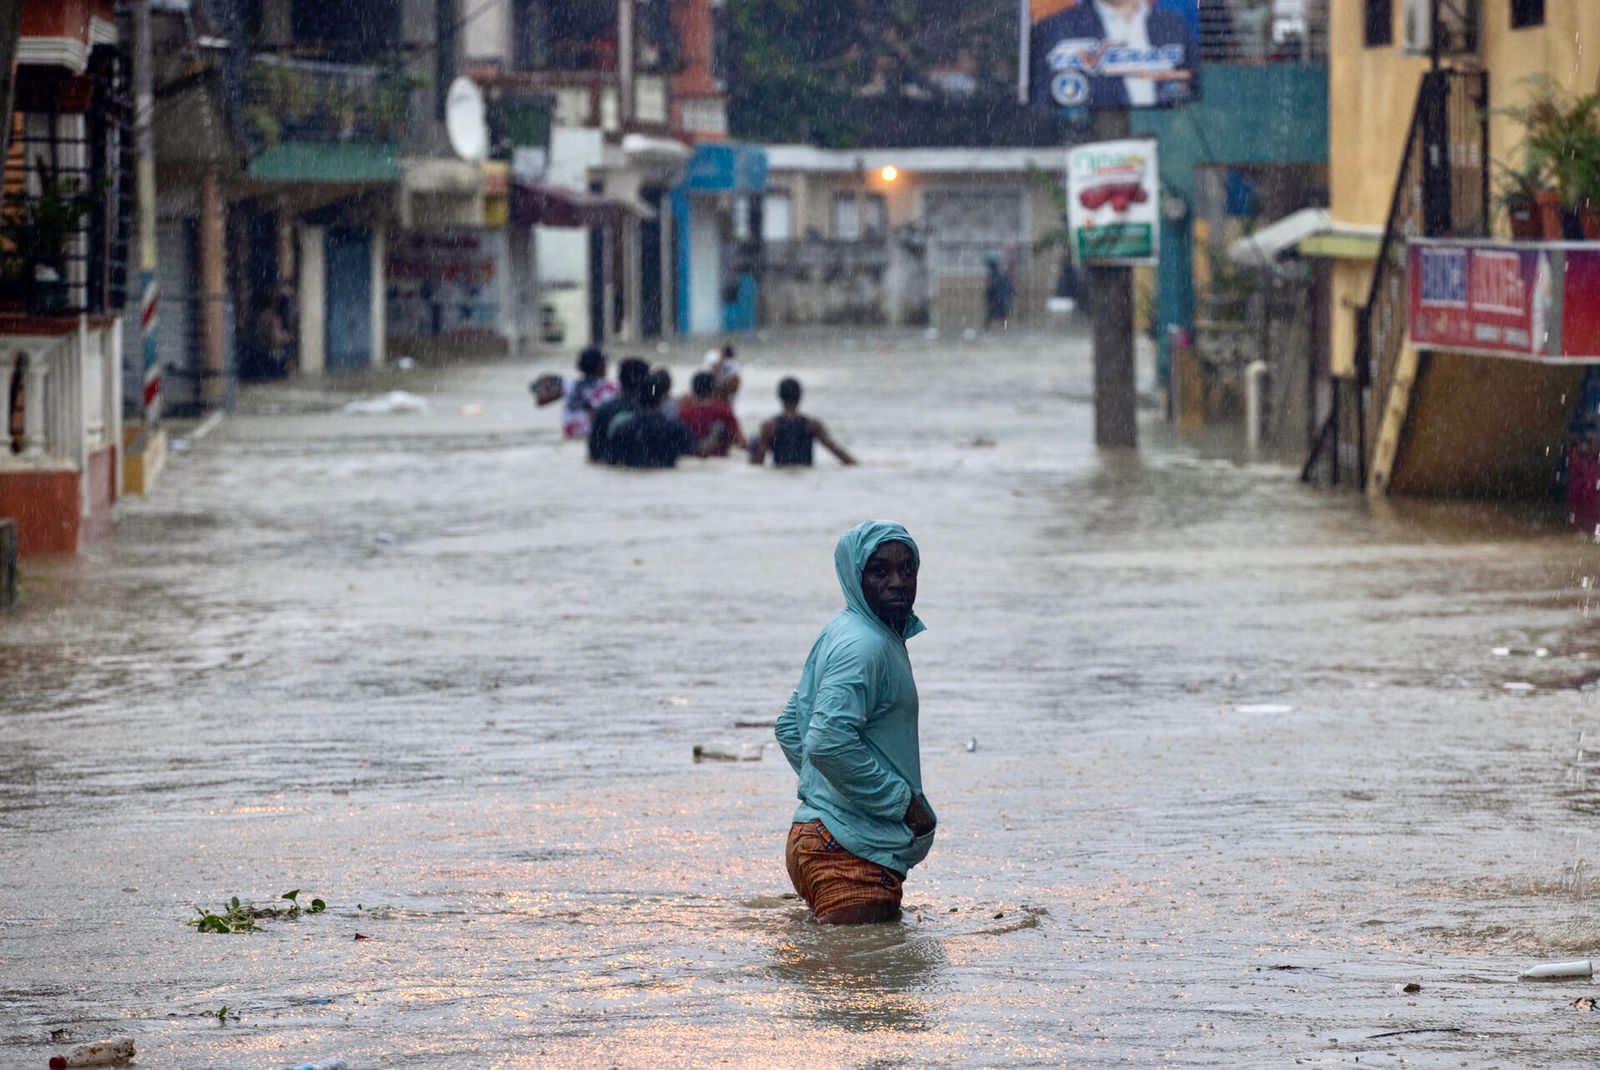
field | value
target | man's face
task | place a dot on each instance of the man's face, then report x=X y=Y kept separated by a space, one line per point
x=889 y=582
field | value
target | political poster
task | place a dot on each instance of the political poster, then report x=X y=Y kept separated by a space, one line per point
x=1101 y=54
x=1113 y=202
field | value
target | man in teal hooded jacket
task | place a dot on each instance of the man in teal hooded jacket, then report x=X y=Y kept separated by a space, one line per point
x=850 y=731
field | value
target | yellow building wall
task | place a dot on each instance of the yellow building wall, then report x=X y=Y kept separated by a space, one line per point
x=1372 y=93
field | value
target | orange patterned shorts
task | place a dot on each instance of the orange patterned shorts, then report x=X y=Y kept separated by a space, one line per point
x=830 y=878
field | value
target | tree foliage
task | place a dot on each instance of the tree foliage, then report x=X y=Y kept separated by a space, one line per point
x=846 y=73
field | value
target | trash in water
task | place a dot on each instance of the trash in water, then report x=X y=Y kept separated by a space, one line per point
x=1411 y=986
x=1517 y=685
x=385 y=538
x=1264 y=707
x=972 y=744
x=970 y=334
x=1501 y=652
x=405 y=364
x=1582 y=1003
x=727 y=752
x=472 y=408
x=179 y=445
x=101 y=1053
x=395 y=401
x=677 y=700
x=1558 y=971
x=331 y=1064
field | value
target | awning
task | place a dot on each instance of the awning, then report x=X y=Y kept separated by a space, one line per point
x=556 y=206
x=1276 y=239
x=1308 y=232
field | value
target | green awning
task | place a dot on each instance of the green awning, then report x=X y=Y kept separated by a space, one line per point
x=338 y=162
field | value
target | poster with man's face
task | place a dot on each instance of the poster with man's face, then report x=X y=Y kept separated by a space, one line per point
x=1093 y=54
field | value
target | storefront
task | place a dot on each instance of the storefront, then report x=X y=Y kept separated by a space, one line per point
x=718 y=242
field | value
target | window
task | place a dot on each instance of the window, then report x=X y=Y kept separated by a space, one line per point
x=1380 y=23
x=853 y=224
x=1525 y=13
x=777 y=216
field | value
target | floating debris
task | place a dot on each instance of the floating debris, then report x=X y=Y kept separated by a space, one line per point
x=101 y=1053
x=1558 y=971
x=395 y=401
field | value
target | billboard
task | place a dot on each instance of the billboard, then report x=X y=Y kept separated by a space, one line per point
x=1113 y=202
x=1109 y=53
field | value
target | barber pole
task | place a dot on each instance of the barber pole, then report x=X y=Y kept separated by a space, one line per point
x=145 y=180
x=147 y=336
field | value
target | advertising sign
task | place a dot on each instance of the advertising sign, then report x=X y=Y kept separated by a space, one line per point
x=1530 y=301
x=1109 y=53
x=441 y=283
x=1112 y=202
x=1481 y=298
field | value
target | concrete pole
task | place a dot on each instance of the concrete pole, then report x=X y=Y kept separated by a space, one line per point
x=10 y=33
x=213 y=289
x=144 y=106
x=1111 y=291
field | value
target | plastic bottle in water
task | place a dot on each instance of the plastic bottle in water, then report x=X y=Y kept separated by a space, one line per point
x=332 y=1064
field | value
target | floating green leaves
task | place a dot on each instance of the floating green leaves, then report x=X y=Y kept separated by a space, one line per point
x=241 y=917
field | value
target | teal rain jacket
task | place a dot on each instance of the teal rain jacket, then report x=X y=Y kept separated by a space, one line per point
x=850 y=728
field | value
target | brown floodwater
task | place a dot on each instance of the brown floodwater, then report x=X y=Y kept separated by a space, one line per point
x=1223 y=763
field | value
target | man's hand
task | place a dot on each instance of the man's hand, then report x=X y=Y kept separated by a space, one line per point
x=918 y=817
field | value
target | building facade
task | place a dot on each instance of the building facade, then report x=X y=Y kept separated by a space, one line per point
x=1438 y=423
x=64 y=230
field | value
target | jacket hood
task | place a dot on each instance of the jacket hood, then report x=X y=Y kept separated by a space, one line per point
x=850 y=557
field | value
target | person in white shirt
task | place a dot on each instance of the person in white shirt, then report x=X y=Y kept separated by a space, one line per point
x=1072 y=61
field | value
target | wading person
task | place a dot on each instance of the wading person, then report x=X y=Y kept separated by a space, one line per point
x=579 y=396
x=649 y=438
x=850 y=732
x=789 y=435
x=631 y=374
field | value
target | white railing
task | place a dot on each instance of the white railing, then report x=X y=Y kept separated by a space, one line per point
x=70 y=382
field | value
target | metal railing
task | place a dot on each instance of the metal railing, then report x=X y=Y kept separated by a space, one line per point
x=1442 y=190
x=69 y=199
x=288 y=98
x=1264 y=31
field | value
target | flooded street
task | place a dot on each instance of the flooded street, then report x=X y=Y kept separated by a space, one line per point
x=1222 y=762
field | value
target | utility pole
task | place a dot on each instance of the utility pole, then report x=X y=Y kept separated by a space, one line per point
x=1111 y=293
x=143 y=106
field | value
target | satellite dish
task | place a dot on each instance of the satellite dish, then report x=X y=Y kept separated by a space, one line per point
x=464 y=120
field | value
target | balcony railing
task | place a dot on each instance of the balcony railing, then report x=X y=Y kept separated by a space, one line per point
x=64 y=384
x=291 y=99
x=1264 y=31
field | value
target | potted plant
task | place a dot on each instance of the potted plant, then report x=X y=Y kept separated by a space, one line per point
x=1561 y=139
x=40 y=229
x=1517 y=194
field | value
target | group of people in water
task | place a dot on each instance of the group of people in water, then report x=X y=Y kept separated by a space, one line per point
x=636 y=422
